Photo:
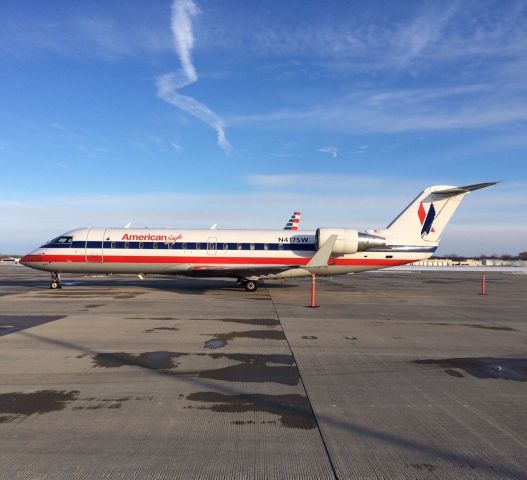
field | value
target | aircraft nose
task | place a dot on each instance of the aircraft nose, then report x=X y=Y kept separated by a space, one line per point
x=25 y=260
x=28 y=259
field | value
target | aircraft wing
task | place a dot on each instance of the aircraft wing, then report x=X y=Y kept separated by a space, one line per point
x=245 y=271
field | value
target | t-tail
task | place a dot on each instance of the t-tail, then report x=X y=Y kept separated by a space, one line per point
x=423 y=221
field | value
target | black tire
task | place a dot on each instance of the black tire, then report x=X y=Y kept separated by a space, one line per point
x=251 y=286
x=55 y=285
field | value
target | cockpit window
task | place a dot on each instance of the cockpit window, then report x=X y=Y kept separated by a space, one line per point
x=64 y=240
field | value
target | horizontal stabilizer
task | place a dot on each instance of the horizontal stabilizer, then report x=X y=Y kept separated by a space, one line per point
x=449 y=192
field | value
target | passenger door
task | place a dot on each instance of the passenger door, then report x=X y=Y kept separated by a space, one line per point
x=93 y=251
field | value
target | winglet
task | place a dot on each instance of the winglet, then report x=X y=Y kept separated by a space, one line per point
x=320 y=259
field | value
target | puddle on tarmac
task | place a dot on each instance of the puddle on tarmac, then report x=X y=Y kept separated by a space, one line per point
x=260 y=334
x=483 y=367
x=215 y=343
x=150 y=360
x=254 y=368
x=15 y=323
x=159 y=329
x=94 y=403
x=19 y=405
x=249 y=368
x=294 y=410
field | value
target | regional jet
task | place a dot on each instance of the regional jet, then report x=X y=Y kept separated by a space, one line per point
x=253 y=255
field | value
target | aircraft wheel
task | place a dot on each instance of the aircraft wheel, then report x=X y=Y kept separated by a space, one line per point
x=55 y=285
x=251 y=286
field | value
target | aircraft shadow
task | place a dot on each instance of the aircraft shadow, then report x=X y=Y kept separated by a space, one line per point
x=189 y=286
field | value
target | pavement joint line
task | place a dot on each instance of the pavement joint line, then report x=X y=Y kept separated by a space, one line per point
x=326 y=449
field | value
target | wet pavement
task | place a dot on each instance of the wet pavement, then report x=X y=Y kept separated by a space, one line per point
x=396 y=375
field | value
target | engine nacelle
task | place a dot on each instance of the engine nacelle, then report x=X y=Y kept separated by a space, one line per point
x=349 y=240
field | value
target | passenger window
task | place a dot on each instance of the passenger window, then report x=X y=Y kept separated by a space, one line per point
x=239 y=246
x=251 y=246
x=112 y=245
x=197 y=246
x=266 y=246
x=280 y=246
x=126 y=245
x=154 y=245
x=141 y=245
x=225 y=246
x=183 y=246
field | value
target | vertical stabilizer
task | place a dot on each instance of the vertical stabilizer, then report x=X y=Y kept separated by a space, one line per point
x=424 y=220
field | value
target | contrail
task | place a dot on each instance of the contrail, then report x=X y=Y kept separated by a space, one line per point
x=169 y=84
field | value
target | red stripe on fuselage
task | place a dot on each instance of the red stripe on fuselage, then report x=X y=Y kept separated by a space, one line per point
x=287 y=261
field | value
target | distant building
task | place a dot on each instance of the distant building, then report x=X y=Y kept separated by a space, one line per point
x=470 y=262
x=9 y=260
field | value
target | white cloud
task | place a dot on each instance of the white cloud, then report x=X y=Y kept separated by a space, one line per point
x=360 y=184
x=411 y=41
x=331 y=149
x=167 y=89
x=402 y=111
x=182 y=13
x=359 y=150
x=361 y=39
x=169 y=84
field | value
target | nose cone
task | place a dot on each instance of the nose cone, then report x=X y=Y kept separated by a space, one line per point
x=25 y=259
x=29 y=259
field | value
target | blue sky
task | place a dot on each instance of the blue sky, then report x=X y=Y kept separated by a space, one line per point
x=187 y=114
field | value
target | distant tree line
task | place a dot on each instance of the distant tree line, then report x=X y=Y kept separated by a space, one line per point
x=519 y=256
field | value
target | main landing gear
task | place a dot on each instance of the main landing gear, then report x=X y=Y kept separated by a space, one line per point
x=55 y=281
x=249 y=285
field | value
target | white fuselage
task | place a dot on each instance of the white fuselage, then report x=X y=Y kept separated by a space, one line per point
x=205 y=253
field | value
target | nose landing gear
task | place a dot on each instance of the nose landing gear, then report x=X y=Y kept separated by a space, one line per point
x=55 y=281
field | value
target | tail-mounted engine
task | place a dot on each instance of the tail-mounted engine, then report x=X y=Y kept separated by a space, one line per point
x=348 y=240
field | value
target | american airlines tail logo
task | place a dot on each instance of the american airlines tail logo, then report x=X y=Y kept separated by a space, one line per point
x=426 y=219
x=292 y=224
